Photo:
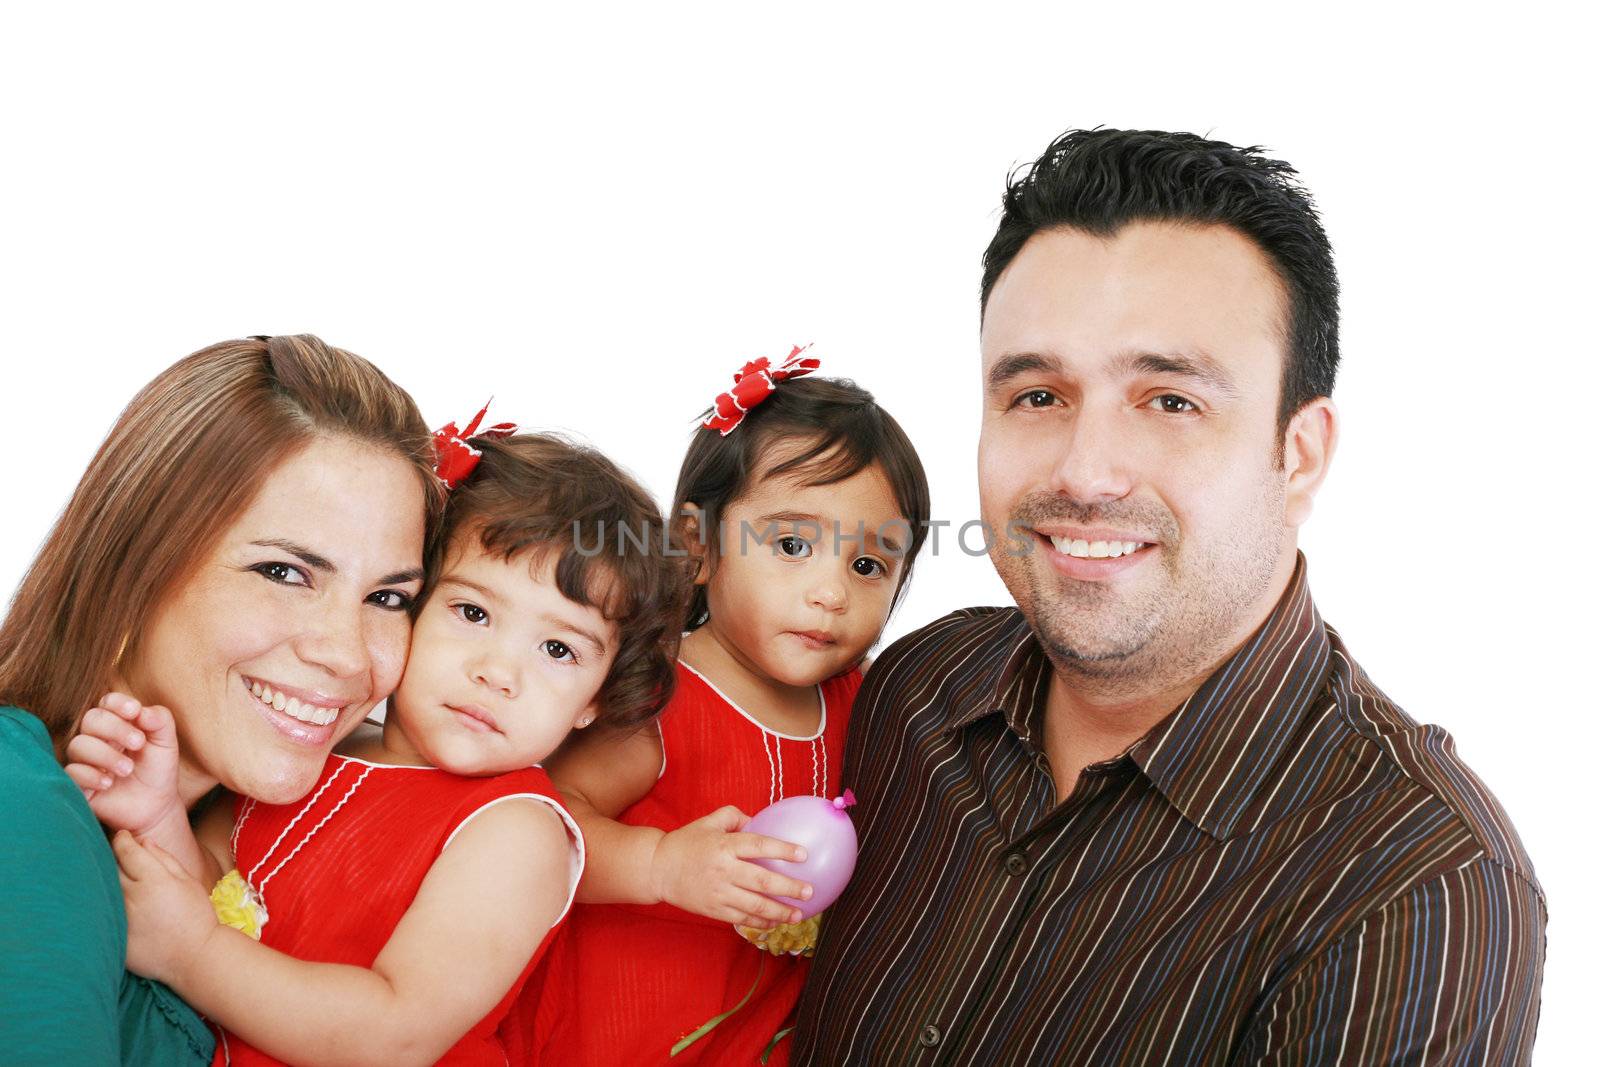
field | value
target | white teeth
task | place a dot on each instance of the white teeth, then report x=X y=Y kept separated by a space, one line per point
x=1096 y=549
x=307 y=713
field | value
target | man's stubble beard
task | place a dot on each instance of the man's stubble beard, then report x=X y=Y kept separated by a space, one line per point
x=1159 y=633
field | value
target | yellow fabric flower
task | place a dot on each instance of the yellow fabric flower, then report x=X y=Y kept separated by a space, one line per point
x=792 y=939
x=237 y=905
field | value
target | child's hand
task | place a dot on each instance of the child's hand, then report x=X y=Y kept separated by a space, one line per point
x=701 y=867
x=169 y=913
x=125 y=759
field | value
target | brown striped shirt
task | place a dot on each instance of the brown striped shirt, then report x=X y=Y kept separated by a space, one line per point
x=1286 y=870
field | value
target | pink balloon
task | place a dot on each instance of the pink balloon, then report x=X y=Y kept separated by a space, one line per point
x=824 y=830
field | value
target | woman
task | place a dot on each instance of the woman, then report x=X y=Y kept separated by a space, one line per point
x=257 y=514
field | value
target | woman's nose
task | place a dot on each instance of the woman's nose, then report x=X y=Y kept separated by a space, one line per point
x=336 y=640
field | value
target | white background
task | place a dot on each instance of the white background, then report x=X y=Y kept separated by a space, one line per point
x=596 y=217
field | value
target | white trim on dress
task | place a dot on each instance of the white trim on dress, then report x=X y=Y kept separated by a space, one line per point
x=576 y=855
x=424 y=766
x=822 y=700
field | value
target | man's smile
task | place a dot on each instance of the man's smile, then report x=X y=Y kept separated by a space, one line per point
x=1081 y=549
x=1092 y=555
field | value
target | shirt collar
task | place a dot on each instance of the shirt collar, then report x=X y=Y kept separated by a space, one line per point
x=1211 y=756
x=1014 y=684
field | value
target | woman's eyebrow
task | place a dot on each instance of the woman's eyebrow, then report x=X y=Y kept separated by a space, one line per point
x=415 y=574
x=305 y=555
x=325 y=565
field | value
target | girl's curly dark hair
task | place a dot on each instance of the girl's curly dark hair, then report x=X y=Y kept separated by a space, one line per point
x=540 y=493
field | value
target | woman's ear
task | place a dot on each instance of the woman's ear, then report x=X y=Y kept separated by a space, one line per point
x=692 y=536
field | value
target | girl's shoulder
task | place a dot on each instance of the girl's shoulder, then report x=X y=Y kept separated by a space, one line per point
x=477 y=795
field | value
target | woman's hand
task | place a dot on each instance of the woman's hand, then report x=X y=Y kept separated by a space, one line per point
x=702 y=867
x=125 y=759
x=170 y=916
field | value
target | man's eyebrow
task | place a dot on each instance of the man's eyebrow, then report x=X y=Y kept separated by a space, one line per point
x=1197 y=365
x=1017 y=364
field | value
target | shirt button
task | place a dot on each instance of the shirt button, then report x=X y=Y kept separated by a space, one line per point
x=1016 y=864
x=929 y=1037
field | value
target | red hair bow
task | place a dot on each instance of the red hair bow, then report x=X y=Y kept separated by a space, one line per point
x=454 y=459
x=754 y=383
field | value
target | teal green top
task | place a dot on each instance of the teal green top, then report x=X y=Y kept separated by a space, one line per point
x=64 y=995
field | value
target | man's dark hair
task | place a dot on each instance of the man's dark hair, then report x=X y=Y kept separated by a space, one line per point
x=1098 y=181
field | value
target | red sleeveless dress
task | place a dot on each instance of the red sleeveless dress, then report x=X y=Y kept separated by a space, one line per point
x=623 y=982
x=338 y=869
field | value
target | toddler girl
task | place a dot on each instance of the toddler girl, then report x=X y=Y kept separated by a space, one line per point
x=804 y=504
x=402 y=904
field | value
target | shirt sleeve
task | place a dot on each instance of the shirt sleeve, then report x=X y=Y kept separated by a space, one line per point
x=64 y=995
x=61 y=935
x=1449 y=973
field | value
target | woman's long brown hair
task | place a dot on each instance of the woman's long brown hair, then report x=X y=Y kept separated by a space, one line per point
x=184 y=460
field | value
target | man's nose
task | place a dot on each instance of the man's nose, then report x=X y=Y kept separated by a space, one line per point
x=1095 y=455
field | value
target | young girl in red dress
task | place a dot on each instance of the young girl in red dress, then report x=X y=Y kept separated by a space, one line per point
x=805 y=504
x=401 y=905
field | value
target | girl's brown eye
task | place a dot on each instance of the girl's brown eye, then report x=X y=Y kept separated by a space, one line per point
x=793 y=547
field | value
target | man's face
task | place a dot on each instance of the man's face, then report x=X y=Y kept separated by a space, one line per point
x=1130 y=441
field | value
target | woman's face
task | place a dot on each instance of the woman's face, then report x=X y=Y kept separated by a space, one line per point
x=293 y=627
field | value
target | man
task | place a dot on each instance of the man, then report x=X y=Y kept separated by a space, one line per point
x=1156 y=813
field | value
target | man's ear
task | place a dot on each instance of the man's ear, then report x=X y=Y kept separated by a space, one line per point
x=693 y=536
x=1308 y=446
